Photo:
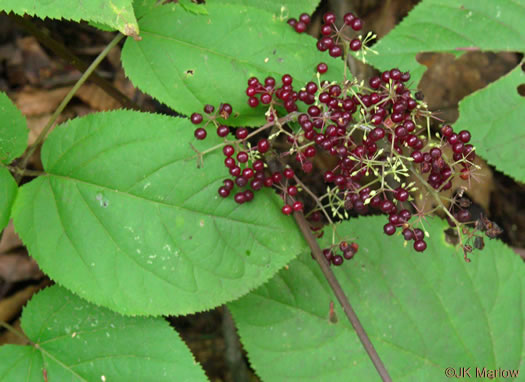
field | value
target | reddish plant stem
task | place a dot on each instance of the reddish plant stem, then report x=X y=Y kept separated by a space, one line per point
x=341 y=297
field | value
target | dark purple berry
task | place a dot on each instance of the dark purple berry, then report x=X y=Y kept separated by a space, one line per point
x=322 y=68
x=292 y=190
x=435 y=153
x=348 y=18
x=242 y=157
x=328 y=254
x=224 y=191
x=447 y=131
x=196 y=118
x=335 y=51
x=200 y=133
x=287 y=79
x=389 y=229
x=263 y=145
x=300 y=27
x=419 y=234
x=228 y=150
x=229 y=162
x=374 y=82
x=458 y=147
x=355 y=44
x=395 y=74
x=401 y=194
x=266 y=98
x=288 y=173
x=337 y=260
x=420 y=245
x=326 y=30
x=258 y=165
x=405 y=215
x=225 y=110
x=235 y=171
x=239 y=197
x=357 y=24
x=386 y=206
x=464 y=135
x=241 y=133
x=248 y=173
x=241 y=181
x=298 y=206
x=311 y=87
x=223 y=131
x=248 y=195
x=408 y=234
x=329 y=18
x=269 y=81
x=287 y=209
x=463 y=216
x=305 y=18
x=405 y=77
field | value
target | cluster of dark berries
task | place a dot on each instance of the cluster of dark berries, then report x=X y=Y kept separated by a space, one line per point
x=244 y=163
x=269 y=94
x=225 y=110
x=331 y=36
x=301 y=24
x=347 y=251
x=377 y=135
x=433 y=162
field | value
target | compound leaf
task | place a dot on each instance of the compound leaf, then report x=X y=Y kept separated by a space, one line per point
x=424 y=312
x=451 y=26
x=186 y=60
x=8 y=190
x=494 y=115
x=13 y=130
x=125 y=218
x=117 y=14
x=73 y=340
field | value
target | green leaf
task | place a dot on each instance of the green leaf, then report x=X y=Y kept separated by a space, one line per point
x=190 y=6
x=102 y=27
x=283 y=9
x=125 y=219
x=423 y=312
x=186 y=70
x=8 y=190
x=451 y=26
x=494 y=115
x=117 y=14
x=13 y=130
x=143 y=7
x=73 y=340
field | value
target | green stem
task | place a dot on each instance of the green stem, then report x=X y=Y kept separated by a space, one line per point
x=43 y=36
x=13 y=330
x=66 y=100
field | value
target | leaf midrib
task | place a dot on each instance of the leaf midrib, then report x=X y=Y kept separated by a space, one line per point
x=158 y=202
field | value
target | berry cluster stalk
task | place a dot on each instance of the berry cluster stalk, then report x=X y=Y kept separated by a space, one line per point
x=341 y=296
